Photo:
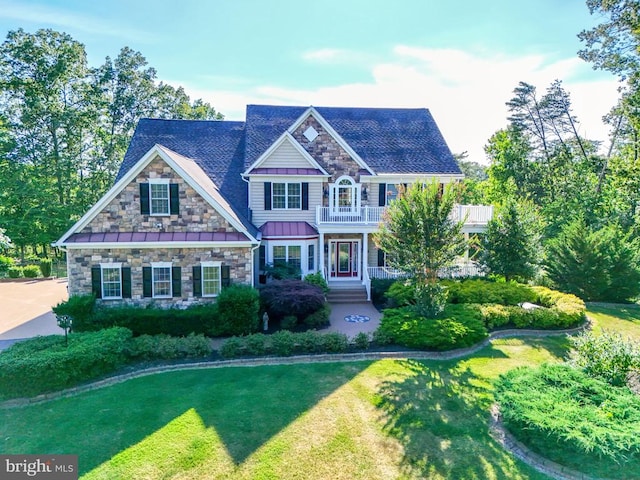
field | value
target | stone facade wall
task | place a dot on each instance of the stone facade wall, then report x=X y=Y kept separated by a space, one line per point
x=81 y=260
x=331 y=156
x=122 y=214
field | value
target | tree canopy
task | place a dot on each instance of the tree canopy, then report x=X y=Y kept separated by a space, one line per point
x=65 y=126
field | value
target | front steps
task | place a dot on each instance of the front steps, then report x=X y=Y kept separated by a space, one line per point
x=347 y=292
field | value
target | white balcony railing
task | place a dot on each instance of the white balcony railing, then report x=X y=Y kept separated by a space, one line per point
x=365 y=215
x=471 y=214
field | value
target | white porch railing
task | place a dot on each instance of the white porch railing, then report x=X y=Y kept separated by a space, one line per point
x=364 y=215
x=460 y=270
x=471 y=214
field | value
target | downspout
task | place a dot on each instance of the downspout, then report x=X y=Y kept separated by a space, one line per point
x=253 y=250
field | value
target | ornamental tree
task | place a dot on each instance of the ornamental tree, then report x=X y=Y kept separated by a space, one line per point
x=420 y=237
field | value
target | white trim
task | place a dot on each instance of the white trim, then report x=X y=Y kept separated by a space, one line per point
x=164 y=182
x=329 y=129
x=161 y=264
x=259 y=176
x=155 y=265
x=334 y=196
x=159 y=181
x=101 y=245
x=110 y=266
x=360 y=263
x=132 y=173
x=210 y=264
x=286 y=196
x=288 y=137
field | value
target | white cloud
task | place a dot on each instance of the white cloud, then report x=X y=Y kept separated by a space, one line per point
x=44 y=15
x=465 y=92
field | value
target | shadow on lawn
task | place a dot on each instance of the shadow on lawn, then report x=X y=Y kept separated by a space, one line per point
x=442 y=418
x=630 y=312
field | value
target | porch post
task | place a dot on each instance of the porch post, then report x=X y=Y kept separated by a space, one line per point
x=365 y=252
x=466 y=252
x=321 y=256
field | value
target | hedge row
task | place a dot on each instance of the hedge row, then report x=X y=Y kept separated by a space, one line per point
x=464 y=324
x=47 y=364
x=285 y=343
x=234 y=313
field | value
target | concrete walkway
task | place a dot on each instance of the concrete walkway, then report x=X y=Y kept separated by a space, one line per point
x=348 y=318
x=26 y=309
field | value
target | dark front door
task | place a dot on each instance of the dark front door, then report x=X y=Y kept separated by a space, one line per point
x=344 y=252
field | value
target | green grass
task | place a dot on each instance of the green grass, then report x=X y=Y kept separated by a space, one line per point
x=624 y=319
x=363 y=420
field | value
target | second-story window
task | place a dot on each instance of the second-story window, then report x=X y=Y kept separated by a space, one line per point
x=159 y=197
x=286 y=196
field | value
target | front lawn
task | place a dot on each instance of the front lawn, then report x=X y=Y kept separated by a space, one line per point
x=387 y=419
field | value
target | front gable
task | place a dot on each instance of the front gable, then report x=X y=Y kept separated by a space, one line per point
x=286 y=154
x=327 y=148
x=198 y=208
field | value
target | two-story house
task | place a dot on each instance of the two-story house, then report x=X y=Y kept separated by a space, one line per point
x=200 y=204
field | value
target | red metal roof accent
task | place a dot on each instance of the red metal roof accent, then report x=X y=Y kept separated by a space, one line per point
x=126 y=237
x=288 y=229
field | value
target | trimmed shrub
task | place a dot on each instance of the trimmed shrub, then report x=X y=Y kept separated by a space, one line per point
x=570 y=309
x=231 y=348
x=401 y=293
x=459 y=326
x=79 y=308
x=5 y=263
x=310 y=342
x=379 y=288
x=256 y=344
x=563 y=414
x=361 y=341
x=45 y=364
x=487 y=292
x=335 y=342
x=238 y=308
x=289 y=322
x=606 y=356
x=150 y=347
x=283 y=343
x=45 y=267
x=318 y=280
x=496 y=316
x=291 y=297
x=319 y=318
x=15 y=272
x=31 y=271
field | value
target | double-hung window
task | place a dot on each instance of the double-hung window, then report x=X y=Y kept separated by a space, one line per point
x=286 y=196
x=287 y=254
x=159 y=197
x=392 y=192
x=111 y=280
x=161 y=280
x=211 y=279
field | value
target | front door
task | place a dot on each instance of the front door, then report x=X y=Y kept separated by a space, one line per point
x=345 y=261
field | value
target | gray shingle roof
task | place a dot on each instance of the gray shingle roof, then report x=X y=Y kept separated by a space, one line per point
x=389 y=140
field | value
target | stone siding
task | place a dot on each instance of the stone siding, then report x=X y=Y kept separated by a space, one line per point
x=122 y=214
x=331 y=156
x=82 y=260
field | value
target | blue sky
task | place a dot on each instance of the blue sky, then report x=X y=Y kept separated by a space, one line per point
x=461 y=59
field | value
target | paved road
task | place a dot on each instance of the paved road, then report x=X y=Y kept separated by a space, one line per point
x=26 y=308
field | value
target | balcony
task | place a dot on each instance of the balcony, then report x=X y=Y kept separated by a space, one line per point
x=474 y=216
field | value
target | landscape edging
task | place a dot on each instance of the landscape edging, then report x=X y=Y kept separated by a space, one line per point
x=297 y=359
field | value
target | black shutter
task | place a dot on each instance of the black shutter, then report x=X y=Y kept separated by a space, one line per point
x=305 y=196
x=267 y=195
x=382 y=195
x=381 y=258
x=96 y=281
x=262 y=257
x=225 y=275
x=174 y=199
x=176 y=281
x=144 y=199
x=147 y=291
x=197 y=281
x=126 y=282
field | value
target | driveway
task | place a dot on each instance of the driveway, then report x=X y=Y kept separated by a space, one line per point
x=26 y=308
